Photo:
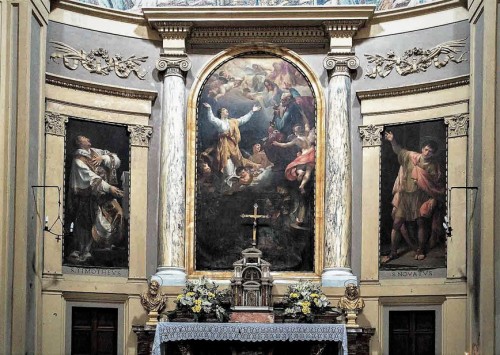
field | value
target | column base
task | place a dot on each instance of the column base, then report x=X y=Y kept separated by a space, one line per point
x=170 y=276
x=338 y=277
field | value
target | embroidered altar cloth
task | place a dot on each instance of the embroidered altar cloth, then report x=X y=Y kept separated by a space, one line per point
x=249 y=332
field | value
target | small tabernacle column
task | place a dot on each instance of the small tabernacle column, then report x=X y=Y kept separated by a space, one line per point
x=338 y=188
x=171 y=230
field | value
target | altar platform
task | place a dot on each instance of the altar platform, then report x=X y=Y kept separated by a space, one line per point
x=250 y=338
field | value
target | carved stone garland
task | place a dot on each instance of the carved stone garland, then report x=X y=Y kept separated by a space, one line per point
x=416 y=60
x=98 y=61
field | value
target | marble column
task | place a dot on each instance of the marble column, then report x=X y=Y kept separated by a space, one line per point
x=172 y=201
x=338 y=185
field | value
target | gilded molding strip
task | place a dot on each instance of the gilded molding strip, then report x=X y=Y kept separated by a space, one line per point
x=55 y=124
x=414 y=89
x=98 y=61
x=102 y=89
x=140 y=135
x=371 y=135
x=458 y=125
x=416 y=60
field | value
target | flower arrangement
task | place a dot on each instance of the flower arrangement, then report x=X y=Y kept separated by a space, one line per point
x=304 y=300
x=201 y=298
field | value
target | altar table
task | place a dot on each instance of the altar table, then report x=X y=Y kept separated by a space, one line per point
x=250 y=332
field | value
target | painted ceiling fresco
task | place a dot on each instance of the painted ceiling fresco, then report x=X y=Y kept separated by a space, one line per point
x=136 y=5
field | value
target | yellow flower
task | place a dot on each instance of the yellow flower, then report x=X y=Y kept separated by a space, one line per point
x=306 y=309
x=196 y=309
x=306 y=304
x=294 y=295
x=198 y=302
x=190 y=294
x=314 y=295
x=179 y=297
x=211 y=295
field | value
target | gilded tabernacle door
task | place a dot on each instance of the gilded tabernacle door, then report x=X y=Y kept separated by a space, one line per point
x=256 y=118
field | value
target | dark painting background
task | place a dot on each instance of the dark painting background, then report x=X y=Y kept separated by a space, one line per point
x=115 y=139
x=409 y=136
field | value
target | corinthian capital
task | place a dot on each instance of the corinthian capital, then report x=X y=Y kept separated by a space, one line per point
x=458 y=125
x=371 y=135
x=55 y=123
x=173 y=64
x=341 y=63
x=140 y=135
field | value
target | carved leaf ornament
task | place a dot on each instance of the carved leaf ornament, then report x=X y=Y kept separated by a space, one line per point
x=416 y=60
x=98 y=61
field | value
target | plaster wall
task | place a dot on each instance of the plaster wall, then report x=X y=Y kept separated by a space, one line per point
x=87 y=40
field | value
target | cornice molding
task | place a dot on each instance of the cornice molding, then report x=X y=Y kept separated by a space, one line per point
x=288 y=25
x=140 y=135
x=458 y=125
x=97 y=88
x=55 y=123
x=371 y=135
x=414 y=89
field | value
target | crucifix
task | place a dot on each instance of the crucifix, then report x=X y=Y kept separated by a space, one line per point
x=255 y=216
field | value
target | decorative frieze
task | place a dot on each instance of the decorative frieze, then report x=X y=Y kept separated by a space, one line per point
x=416 y=60
x=173 y=65
x=140 y=135
x=201 y=37
x=98 y=61
x=371 y=135
x=55 y=123
x=458 y=125
x=341 y=63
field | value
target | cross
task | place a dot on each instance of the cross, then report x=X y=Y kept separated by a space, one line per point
x=255 y=216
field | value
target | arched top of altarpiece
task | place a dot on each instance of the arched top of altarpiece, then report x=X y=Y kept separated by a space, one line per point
x=317 y=90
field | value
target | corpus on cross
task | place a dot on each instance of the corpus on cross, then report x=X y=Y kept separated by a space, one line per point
x=255 y=217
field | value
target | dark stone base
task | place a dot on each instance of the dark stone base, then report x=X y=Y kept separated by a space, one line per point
x=145 y=337
x=358 y=340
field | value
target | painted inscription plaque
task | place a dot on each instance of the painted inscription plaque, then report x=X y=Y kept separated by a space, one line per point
x=413 y=196
x=96 y=195
x=256 y=144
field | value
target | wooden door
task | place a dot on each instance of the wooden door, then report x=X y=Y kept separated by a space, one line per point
x=94 y=331
x=412 y=332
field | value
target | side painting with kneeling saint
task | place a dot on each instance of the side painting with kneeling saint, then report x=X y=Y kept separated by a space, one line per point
x=96 y=195
x=256 y=144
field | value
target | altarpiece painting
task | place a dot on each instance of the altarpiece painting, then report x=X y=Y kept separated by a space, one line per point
x=96 y=195
x=413 y=196
x=256 y=144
